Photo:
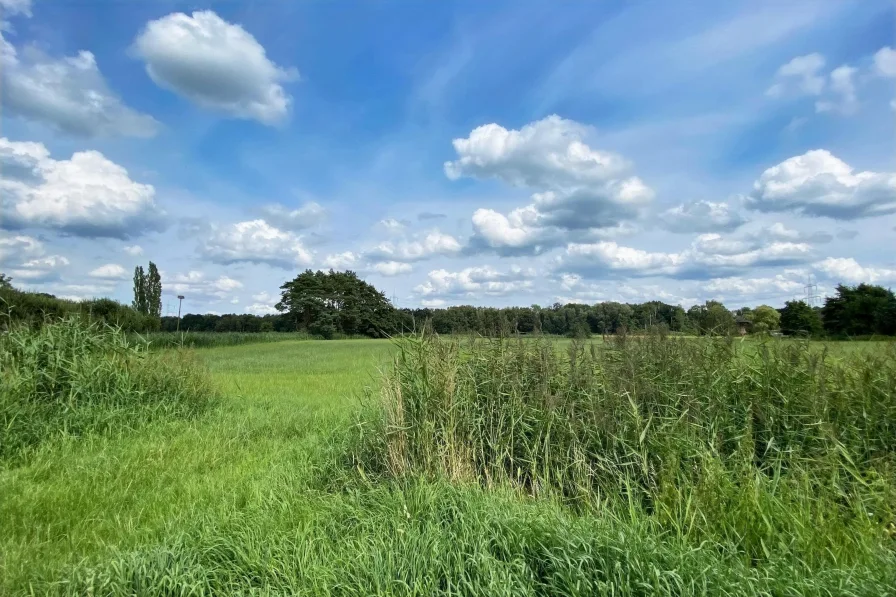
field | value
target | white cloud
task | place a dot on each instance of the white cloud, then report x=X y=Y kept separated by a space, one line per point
x=776 y=286
x=578 y=189
x=215 y=64
x=433 y=303
x=549 y=153
x=308 y=215
x=40 y=270
x=391 y=268
x=341 y=261
x=847 y=270
x=842 y=86
x=15 y=249
x=80 y=292
x=16 y=7
x=110 y=271
x=263 y=304
x=801 y=75
x=265 y=297
x=24 y=259
x=701 y=216
x=710 y=255
x=392 y=226
x=87 y=195
x=885 y=62
x=69 y=94
x=819 y=184
x=255 y=241
x=475 y=281
x=260 y=309
x=431 y=244
x=196 y=286
x=134 y=250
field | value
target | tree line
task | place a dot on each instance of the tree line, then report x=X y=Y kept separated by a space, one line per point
x=333 y=304
x=330 y=304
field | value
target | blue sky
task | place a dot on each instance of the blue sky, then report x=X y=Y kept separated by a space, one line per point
x=451 y=153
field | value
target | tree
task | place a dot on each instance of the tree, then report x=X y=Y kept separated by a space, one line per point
x=765 y=319
x=798 y=318
x=712 y=318
x=140 y=299
x=317 y=300
x=153 y=291
x=148 y=290
x=5 y=281
x=861 y=310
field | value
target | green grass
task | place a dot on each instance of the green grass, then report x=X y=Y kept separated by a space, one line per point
x=254 y=497
x=161 y=340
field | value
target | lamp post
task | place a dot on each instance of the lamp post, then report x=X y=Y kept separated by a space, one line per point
x=180 y=300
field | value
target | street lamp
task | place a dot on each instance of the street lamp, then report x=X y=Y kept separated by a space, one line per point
x=180 y=300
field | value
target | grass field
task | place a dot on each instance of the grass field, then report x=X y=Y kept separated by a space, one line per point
x=254 y=497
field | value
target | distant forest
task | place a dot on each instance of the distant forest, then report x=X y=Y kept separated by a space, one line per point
x=339 y=304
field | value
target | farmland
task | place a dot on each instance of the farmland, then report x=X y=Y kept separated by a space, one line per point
x=333 y=468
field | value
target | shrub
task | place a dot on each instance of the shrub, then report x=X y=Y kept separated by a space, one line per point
x=73 y=377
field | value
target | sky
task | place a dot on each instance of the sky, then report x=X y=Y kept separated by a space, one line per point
x=487 y=153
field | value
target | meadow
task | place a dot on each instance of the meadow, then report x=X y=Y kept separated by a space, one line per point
x=637 y=466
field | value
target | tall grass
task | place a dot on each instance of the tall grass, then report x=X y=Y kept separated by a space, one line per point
x=778 y=449
x=73 y=377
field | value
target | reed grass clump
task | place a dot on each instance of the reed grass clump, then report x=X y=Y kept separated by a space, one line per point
x=72 y=377
x=755 y=448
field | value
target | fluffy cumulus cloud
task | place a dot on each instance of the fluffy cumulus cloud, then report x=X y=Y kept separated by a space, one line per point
x=885 y=62
x=86 y=195
x=577 y=189
x=701 y=216
x=779 y=285
x=305 y=216
x=197 y=286
x=392 y=268
x=255 y=241
x=216 y=64
x=819 y=184
x=25 y=260
x=802 y=75
x=110 y=271
x=262 y=303
x=843 y=92
x=475 y=282
x=133 y=250
x=341 y=261
x=69 y=94
x=710 y=255
x=847 y=270
x=549 y=153
x=426 y=246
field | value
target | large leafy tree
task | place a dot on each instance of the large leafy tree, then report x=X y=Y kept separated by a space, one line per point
x=712 y=318
x=798 y=318
x=860 y=310
x=765 y=319
x=325 y=303
x=5 y=281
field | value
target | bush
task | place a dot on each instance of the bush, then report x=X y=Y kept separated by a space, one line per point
x=36 y=308
x=73 y=377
